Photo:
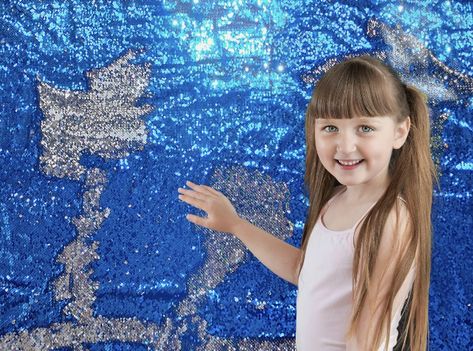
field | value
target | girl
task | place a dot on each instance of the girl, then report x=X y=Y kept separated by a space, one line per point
x=366 y=243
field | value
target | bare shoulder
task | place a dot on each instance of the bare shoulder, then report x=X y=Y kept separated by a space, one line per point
x=397 y=227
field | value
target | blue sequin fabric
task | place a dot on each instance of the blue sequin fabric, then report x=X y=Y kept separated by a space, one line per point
x=107 y=107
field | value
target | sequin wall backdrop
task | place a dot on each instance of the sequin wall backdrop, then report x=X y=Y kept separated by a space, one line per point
x=108 y=107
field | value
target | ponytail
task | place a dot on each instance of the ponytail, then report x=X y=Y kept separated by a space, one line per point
x=416 y=185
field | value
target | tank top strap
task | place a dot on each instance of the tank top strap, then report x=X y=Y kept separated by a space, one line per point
x=364 y=215
x=401 y=198
x=369 y=209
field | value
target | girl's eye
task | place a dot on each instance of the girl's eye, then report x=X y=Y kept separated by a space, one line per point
x=330 y=129
x=366 y=129
x=333 y=129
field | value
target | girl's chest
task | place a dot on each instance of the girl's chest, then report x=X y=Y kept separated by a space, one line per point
x=340 y=218
x=328 y=259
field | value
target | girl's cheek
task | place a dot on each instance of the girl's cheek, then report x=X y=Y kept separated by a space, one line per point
x=324 y=144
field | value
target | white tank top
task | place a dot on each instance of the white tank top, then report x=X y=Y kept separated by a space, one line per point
x=324 y=299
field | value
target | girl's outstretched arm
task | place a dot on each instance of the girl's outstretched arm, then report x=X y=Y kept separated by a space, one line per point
x=277 y=255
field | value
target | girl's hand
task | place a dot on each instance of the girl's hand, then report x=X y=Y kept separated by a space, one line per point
x=221 y=215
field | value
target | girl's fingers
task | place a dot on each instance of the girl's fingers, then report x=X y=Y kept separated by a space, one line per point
x=201 y=188
x=191 y=185
x=194 y=194
x=212 y=190
x=196 y=220
x=193 y=201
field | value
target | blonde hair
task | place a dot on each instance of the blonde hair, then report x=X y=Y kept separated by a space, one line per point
x=365 y=86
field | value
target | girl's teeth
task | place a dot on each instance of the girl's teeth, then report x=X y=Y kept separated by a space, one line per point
x=350 y=163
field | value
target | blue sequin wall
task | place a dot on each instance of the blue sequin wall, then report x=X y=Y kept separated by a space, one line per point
x=107 y=107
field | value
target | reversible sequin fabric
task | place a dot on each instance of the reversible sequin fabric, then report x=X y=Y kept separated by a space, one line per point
x=107 y=107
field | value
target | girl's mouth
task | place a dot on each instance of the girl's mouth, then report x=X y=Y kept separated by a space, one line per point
x=348 y=165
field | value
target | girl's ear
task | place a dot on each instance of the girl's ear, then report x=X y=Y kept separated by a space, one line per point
x=401 y=133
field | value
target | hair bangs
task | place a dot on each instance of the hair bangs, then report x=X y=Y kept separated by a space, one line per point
x=353 y=89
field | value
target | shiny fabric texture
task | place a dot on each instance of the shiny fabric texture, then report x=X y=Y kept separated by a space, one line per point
x=107 y=107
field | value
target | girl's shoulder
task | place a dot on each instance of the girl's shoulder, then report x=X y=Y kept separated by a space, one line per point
x=398 y=222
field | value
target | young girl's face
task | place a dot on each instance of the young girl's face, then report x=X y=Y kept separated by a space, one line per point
x=358 y=150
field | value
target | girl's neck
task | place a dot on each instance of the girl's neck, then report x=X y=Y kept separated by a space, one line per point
x=364 y=193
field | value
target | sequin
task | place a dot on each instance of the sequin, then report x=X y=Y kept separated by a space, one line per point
x=108 y=107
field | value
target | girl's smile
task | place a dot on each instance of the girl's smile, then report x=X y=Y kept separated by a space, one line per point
x=348 y=165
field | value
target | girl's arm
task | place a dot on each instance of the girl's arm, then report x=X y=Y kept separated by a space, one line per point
x=277 y=255
x=280 y=257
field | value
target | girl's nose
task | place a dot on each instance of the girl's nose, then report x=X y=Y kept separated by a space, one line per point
x=346 y=144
